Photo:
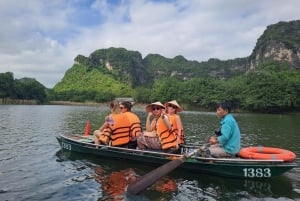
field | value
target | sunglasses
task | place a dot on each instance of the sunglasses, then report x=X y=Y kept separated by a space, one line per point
x=156 y=108
x=173 y=106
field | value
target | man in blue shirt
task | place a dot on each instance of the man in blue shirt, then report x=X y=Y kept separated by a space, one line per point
x=228 y=143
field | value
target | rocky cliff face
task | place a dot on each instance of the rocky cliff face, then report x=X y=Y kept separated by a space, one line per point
x=276 y=51
x=279 y=42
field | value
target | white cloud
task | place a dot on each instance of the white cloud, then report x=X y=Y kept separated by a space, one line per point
x=40 y=38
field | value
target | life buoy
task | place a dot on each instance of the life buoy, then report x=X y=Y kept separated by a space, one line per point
x=267 y=153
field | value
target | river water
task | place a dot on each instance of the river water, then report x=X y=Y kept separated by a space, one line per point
x=33 y=167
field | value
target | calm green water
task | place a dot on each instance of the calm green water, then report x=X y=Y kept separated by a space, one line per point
x=33 y=167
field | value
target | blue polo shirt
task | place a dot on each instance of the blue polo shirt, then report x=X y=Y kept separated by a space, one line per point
x=231 y=136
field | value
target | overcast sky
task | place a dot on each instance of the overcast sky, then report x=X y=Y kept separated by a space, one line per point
x=40 y=38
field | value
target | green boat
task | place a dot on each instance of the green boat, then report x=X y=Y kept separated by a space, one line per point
x=227 y=167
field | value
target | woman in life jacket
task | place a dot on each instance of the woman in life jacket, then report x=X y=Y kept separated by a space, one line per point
x=115 y=130
x=135 y=123
x=172 y=108
x=158 y=134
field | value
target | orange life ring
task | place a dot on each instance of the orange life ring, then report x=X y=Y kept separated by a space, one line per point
x=267 y=153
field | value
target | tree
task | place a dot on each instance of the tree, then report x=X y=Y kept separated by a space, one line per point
x=28 y=88
x=6 y=85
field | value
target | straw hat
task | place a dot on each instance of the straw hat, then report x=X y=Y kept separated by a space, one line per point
x=173 y=102
x=149 y=107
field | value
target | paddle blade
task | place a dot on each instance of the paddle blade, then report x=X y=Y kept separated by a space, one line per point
x=87 y=128
x=151 y=177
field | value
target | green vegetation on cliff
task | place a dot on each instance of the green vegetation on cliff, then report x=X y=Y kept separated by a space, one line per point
x=268 y=80
x=82 y=84
x=270 y=89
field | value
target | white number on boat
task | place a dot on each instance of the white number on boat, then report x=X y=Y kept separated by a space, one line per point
x=187 y=150
x=66 y=146
x=257 y=172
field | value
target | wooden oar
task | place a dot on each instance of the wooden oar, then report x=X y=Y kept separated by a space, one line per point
x=151 y=177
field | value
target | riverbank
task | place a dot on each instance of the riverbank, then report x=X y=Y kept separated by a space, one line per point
x=95 y=104
x=75 y=103
x=136 y=105
x=8 y=101
x=34 y=102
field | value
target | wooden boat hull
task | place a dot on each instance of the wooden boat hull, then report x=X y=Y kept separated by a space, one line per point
x=228 y=167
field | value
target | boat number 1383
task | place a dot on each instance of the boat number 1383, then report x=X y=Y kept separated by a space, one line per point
x=257 y=172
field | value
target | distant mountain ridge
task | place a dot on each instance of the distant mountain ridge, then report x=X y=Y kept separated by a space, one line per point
x=128 y=70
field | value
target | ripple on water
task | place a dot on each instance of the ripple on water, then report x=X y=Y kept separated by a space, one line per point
x=189 y=190
x=32 y=168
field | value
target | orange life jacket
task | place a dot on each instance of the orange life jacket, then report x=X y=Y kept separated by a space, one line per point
x=117 y=134
x=167 y=137
x=135 y=125
x=173 y=120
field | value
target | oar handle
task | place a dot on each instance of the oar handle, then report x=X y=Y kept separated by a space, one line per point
x=151 y=177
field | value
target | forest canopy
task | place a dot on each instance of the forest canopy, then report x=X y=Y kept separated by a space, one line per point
x=25 y=88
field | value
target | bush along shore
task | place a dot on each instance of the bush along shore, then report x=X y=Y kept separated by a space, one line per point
x=8 y=101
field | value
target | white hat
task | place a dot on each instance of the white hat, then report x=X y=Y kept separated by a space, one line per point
x=174 y=102
x=149 y=107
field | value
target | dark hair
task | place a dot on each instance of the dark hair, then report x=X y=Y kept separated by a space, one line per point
x=114 y=105
x=224 y=106
x=127 y=105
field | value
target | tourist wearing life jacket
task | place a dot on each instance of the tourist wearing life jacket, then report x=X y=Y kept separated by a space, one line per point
x=135 y=123
x=158 y=134
x=172 y=110
x=115 y=130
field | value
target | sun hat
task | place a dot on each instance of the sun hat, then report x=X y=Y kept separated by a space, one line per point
x=173 y=102
x=149 y=107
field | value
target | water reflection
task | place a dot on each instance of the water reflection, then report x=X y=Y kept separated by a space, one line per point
x=113 y=176
x=231 y=189
x=216 y=188
x=114 y=184
x=30 y=158
x=267 y=130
